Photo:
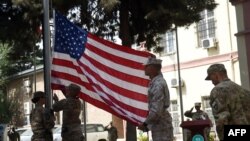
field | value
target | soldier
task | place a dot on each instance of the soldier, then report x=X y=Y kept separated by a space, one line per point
x=198 y=115
x=229 y=101
x=71 y=107
x=13 y=135
x=159 y=120
x=41 y=120
x=112 y=132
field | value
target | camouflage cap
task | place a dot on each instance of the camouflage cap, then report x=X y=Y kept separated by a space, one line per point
x=152 y=61
x=215 y=68
x=73 y=87
x=38 y=94
x=197 y=104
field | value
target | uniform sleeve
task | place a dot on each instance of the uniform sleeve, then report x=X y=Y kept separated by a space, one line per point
x=49 y=119
x=156 y=104
x=206 y=116
x=58 y=106
x=188 y=114
x=219 y=104
x=36 y=118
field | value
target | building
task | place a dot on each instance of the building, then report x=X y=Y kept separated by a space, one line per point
x=23 y=85
x=210 y=41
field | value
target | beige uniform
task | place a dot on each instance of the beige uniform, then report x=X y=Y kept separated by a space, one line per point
x=71 y=128
x=42 y=122
x=159 y=119
x=201 y=115
x=230 y=105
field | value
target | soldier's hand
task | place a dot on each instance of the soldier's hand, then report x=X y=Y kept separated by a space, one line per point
x=143 y=128
x=191 y=109
x=55 y=97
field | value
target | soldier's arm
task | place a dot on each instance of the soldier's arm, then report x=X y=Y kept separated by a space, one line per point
x=157 y=104
x=49 y=119
x=219 y=103
x=189 y=113
x=59 y=105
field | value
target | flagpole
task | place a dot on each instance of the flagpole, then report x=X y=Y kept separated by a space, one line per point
x=179 y=78
x=47 y=53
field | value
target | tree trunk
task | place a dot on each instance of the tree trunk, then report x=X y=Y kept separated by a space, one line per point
x=124 y=24
x=126 y=41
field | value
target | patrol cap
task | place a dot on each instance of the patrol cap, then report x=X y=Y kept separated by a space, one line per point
x=36 y=95
x=153 y=61
x=73 y=87
x=215 y=68
x=39 y=94
x=197 y=104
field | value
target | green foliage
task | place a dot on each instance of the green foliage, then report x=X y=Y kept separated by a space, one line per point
x=8 y=108
x=211 y=137
x=144 y=19
x=20 y=29
x=142 y=136
x=5 y=64
x=133 y=20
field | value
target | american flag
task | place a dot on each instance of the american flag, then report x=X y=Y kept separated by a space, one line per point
x=111 y=76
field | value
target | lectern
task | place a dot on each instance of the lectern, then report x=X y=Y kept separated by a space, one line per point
x=197 y=128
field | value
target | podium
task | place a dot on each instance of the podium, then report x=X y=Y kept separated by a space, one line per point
x=197 y=128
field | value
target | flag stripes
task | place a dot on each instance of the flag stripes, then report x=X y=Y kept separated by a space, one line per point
x=111 y=76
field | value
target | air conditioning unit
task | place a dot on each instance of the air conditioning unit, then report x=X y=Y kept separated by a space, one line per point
x=175 y=83
x=208 y=43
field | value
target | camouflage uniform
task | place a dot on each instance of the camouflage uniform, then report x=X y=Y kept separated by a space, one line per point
x=112 y=133
x=13 y=135
x=230 y=105
x=71 y=128
x=201 y=115
x=159 y=119
x=42 y=121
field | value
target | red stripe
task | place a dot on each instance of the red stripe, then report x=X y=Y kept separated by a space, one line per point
x=123 y=76
x=106 y=108
x=71 y=78
x=116 y=59
x=119 y=47
x=67 y=63
x=89 y=86
x=100 y=104
x=124 y=92
x=89 y=99
x=118 y=102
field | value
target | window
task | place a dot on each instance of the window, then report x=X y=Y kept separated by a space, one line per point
x=173 y=109
x=168 y=42
x=206 y=26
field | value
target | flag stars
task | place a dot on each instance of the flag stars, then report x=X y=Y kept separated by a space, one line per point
x=69 y=39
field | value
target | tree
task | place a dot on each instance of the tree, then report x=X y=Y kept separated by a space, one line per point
x=136 y=20
x=20 y=30
x=132 y=20
x=8 y=105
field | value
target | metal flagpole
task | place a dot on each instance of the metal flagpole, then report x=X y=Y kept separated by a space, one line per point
x=47 y=53
x=179 y=78
x=84 y=120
